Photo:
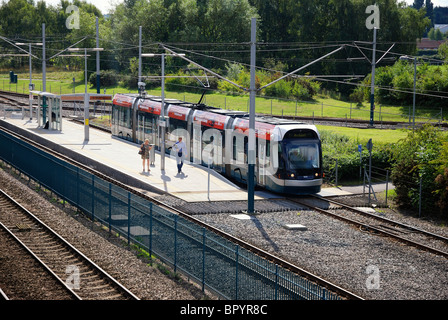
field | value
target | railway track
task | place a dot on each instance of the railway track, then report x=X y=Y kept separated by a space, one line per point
x=19 y=266
x=84 y=278
x=20 y=100
x=377 y=224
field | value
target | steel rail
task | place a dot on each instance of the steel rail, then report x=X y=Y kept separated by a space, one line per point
x=368 y=227
x=124 y=291
x=36 y=258
x=383 y=219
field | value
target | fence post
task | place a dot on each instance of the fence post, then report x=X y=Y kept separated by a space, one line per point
x=387 y=184
x=175 y=243
x=236 y=272
x=203 y=259
x=129 y=218
x=336 y=180
x=364 y=182
x=420 y=199
x=77 y=188
x=296 y=111
x=110 y=207
x=276 y=283
x=93 y=198
x=150 y=229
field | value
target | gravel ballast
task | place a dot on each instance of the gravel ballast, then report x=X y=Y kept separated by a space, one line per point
x=147 y=282
x=368 y=265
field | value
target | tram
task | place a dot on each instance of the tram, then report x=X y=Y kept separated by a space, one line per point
x=288 y=153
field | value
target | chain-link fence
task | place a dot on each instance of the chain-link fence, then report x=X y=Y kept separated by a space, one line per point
x=213 y=261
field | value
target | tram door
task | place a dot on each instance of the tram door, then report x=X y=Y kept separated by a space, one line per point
x=197 y=144
x=212 y=148
x=146 y=129
x=261 y=162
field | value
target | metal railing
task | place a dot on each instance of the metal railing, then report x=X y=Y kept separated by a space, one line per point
x=213 y=261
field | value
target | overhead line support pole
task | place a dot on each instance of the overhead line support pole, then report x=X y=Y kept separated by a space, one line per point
x=372 y=82
x=97 y=57
x=251 y=176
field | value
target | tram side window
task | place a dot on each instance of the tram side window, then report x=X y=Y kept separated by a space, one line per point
x=176 y=124
x=122 y=119
x=148 y=124
x=127 y=118
x=281 y=160
x=114 y=115
x=234 y=148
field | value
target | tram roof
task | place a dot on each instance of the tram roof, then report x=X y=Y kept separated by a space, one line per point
x=232 y=113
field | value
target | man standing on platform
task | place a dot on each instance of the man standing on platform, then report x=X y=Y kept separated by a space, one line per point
x=181 y=150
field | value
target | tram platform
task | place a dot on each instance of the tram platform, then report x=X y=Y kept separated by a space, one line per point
x=119 y=159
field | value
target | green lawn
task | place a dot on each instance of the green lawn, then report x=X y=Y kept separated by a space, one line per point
x=363 y=135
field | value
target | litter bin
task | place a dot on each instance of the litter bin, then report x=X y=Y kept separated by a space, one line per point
x=152 y=154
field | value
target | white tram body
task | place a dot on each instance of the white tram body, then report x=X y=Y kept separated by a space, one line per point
x=288 y=153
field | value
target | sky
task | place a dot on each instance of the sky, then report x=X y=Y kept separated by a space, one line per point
x=105 y=5
x=436 y=3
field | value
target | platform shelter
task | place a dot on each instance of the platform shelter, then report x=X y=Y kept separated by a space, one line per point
x=49 y=110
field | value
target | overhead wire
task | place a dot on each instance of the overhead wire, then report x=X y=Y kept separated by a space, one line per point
x=126 y=46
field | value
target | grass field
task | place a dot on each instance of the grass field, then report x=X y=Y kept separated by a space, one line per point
x=361 y=136
x=60 y=82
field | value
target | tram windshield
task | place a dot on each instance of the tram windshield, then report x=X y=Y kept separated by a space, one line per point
x=302 y=156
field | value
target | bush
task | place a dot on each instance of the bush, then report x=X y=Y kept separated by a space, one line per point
x=441 y=180
x=398 y=83
x=187 y=82
x=300 y=88
x=345 y=151
x=421 y=156
x=108 y=78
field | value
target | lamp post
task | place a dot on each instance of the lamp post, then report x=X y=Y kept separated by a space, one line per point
x=86 y=96
x=31 y=86
x=162 y=121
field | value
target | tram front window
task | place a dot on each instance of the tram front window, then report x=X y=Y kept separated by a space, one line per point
x=302 y=156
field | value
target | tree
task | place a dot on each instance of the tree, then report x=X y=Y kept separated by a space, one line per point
x=438 y=35
x=227 y=21
x=418 y=4
x=430 y=11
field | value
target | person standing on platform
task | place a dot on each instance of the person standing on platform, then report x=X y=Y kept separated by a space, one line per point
x=145 y=148
x=181 y=149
